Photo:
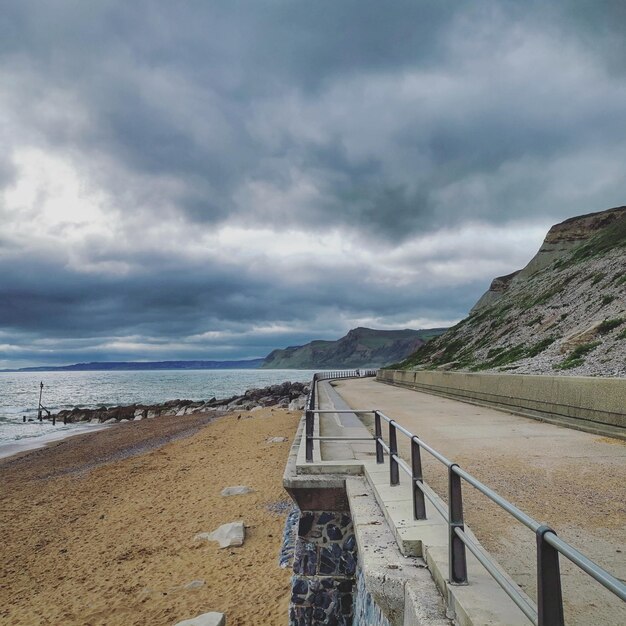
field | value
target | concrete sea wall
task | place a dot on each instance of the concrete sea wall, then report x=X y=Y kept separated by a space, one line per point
x=590 y=404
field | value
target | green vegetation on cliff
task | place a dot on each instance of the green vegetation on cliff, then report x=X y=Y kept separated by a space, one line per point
x=361 y=347
x=566 y=310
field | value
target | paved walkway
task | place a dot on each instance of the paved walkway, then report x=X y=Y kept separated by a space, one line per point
x=574 y=481
x=340 y=425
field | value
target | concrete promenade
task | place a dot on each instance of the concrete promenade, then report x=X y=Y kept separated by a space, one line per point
x=571 y=480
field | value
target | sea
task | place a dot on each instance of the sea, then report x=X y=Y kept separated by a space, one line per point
x=19 y=395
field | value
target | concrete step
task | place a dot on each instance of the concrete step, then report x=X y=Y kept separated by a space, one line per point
x=482 y=601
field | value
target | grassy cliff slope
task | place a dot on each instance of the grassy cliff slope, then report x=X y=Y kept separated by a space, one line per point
x=361 y=347
x=565 y=312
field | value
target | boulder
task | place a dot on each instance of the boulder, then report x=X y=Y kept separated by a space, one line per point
x=237 y=490
x=297 y=404
x=276 y=439
x=139 y=413
x=137 y=418
x=227 y=535
x=206 y=619
x=580 y=337
x=112 y=420
x=152 y=414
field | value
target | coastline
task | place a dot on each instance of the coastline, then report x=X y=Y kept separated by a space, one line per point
x=101 y=525
x=22 y=446
x=82 y=420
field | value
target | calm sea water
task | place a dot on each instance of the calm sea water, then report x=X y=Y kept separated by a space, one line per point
x=19 y=392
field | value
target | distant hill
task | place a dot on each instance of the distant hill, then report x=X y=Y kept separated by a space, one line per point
x=564 y=313
x=147 y=365
x=361 y=347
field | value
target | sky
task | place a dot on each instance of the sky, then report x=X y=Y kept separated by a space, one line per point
x=215 y=179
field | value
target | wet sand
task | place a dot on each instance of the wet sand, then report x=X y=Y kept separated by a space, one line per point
x=99 y=528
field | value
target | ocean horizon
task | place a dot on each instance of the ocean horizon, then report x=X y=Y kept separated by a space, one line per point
x=19 y=394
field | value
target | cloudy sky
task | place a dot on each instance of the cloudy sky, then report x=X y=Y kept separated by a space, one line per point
x=214 y=179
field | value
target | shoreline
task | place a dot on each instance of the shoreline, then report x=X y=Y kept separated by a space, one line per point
x=83 y=420
x=22 y=446
x=102 y=525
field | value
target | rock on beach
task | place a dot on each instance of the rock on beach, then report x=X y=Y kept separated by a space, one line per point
x=285 y=395
x=206 y=619
x=227 y=535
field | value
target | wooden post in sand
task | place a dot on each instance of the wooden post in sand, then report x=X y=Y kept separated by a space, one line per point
x=40 y=393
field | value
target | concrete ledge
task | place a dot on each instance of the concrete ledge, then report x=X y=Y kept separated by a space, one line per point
x=596 y=405
x=401 y=587
x=482 y=601
x=313 y=492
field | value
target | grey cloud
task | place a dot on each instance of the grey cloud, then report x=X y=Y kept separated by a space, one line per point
x=40 y=299
x=152 y=76
x=379 y=122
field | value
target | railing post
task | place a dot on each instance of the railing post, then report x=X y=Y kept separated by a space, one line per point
x=549 y=596
x=419 y=504
x=394 y=474
x=309 y=435
x=456 y=548
x=380 y=458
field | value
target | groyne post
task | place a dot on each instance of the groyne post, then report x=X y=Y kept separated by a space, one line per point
x=39 y=411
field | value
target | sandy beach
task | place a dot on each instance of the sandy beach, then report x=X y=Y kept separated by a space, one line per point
x=99 y=528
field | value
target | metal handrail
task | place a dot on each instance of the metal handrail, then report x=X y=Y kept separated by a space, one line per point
x=549 y=608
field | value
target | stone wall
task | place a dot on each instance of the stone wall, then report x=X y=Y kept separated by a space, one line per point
x=366 y=611
x=592 y=404
x=324 y=567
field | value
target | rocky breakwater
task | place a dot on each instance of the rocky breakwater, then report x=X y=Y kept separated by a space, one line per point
x=287 y=395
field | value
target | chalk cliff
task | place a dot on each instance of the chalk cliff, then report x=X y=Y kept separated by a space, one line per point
x=565 y=312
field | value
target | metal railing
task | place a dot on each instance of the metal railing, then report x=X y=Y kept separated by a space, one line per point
x=549 y=608
x=310 y=403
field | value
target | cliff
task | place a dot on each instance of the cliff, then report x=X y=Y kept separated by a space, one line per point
x=361 y=347
x=565 y=312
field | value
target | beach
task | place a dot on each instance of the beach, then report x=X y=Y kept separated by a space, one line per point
x=99 y=528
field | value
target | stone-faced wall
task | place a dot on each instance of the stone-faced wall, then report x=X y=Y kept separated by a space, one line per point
x=366 y=611
x=324 y=566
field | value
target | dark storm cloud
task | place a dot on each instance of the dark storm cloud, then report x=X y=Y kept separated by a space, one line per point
x=380 y=122
x=173 y=91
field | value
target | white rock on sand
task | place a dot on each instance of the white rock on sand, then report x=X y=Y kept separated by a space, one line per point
x=297 y=404
x=206 y=619
x=194 y=584
x=227 y=535
x=277 y=439
x=237 y=490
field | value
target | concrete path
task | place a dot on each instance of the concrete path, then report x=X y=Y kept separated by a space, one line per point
x=571 y=480
x=340 y=425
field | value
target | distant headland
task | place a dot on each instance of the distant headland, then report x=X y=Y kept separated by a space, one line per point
x=360 y=347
